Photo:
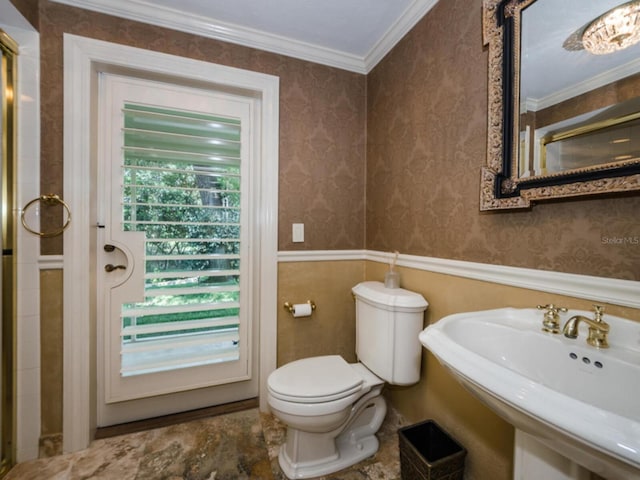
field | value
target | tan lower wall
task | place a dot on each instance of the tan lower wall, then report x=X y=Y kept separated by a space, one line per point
x=51 y=343
x=331 y=330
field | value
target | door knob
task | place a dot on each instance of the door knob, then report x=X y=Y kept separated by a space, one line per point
x=110 y=268
x=109 y=248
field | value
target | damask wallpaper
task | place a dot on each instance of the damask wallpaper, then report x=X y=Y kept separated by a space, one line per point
x=413 y=131
x=426 y=143
x=322 y=123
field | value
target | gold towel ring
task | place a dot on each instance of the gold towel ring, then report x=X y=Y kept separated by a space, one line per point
x=47 y=199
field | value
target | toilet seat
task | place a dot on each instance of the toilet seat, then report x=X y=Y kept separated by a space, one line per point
x=315 y=380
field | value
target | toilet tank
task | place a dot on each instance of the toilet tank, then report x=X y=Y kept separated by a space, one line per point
x=388 y=321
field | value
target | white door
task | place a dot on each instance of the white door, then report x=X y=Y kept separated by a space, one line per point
x=174 y=296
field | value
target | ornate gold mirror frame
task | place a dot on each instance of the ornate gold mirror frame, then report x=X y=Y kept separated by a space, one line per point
x=501 y=185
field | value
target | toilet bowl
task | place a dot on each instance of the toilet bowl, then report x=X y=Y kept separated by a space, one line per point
x=332 y=420
x=333 y=408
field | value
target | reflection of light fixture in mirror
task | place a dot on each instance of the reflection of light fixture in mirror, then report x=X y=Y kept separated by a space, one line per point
x=616 y=29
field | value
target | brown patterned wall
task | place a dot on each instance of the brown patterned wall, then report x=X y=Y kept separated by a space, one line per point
x=322 y=121
x=426 y=143
x=426 y=129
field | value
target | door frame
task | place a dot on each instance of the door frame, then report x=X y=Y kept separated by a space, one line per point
x=83 y=59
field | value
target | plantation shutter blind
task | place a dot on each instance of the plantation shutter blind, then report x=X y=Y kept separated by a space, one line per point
x=181 y=186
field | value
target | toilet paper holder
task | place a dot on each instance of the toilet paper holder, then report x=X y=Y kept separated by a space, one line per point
x=291 y=308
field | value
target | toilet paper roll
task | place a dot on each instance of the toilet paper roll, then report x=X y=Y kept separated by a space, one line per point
x=302 y=310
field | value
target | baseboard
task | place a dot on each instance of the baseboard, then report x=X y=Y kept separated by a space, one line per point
x=166 y=420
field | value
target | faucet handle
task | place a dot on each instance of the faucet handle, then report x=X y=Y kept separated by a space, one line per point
x=598 y=312
x=552 y=308
x=551 y=321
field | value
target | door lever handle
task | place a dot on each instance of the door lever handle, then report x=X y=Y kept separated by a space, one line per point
x=110 y=268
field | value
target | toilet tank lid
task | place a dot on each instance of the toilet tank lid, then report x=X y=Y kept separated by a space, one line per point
x=378 y=294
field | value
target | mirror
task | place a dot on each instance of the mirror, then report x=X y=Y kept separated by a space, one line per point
x=563 y=121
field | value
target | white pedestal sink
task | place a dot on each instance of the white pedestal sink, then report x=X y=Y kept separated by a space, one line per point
x=533 y=460
x=563 y=396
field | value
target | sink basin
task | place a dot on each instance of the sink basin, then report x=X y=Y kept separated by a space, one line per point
x=578 y=400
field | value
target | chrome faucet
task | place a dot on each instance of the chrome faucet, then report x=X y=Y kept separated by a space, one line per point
x=598 y=328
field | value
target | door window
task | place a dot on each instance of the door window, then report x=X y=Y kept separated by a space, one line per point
x=182 y=187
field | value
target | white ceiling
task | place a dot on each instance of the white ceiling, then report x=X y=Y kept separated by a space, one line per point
x=356 y=34
x=349 y=34
x=551 y=73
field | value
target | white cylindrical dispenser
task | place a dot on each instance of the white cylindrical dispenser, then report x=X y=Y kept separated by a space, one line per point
x=392 y=277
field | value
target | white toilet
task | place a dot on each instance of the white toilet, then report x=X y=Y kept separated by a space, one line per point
x=332 y=408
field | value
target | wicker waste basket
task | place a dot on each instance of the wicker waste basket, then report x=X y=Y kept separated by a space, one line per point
x=428 y=453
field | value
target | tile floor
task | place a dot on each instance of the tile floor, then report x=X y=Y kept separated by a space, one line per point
x=240 y=445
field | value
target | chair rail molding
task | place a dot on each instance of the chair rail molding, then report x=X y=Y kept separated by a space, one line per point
x=609 y=290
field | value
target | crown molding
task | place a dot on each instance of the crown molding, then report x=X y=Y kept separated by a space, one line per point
x=587 y=85
x=144 y=12
x=174 y=19
x=412 y=15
